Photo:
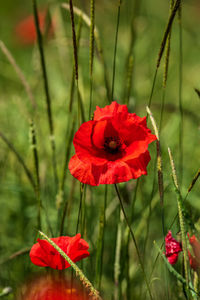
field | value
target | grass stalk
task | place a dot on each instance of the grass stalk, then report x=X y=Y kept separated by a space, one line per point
x=115 y=49
x=88 y=285
x=87 y=22
x=163 y=44
x=74 y=39
x=100 y=242
x=117 y=265
x=33 y=141
x=19 y=73
x=181 y=218
x=180 y=94
x=131 y=57
x=91 y=56
x=73 y=71
x=47 y=93
x=134 y=241
x=20 y=159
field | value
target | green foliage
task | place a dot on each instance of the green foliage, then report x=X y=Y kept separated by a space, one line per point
x=27 y=204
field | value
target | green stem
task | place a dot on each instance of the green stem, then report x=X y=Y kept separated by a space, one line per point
x=92 y=22
x=46 y=88
x=100 y=242
x=181 y=218
x=134 y=241
x=36 y=163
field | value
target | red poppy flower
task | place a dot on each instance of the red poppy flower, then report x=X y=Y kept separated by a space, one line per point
x=194 y=260
x=172 y=248
x=26 y=31
x=44 y=254
x=111 y=148
x=51 y=287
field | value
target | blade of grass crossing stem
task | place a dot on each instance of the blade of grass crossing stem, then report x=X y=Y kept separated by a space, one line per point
x=91 y=58
x=46 y=88
x=19 y=73
x=115 y=49
x=181 y=218
x=134 y=241
x=33 y=142
x=78 y=271
x=180 y=94
x=20 y=159
x=100 y=242
x=117 y=264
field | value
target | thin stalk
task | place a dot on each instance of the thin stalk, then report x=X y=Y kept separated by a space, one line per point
x=87 y=21
x=74 y=39
x=159 y=168
x=88 y=285
x=181 y=218
x=131 y=57
x=167 y=30
x=20 y=159
x=82 y=187
x=78 y=36
x=15 y=254
x=100 y=242
x=152 y=89
x=163 y=44
x=19 y=73
x=117 y=266
x=33 y=141
x=194 y=181
x=62 y=211
x=126 y=242
x=91 y=59
x=46 y=88
x=67 y=208
x=134 y=241
x=115 y=49
x=165 y=74
x=180 y=94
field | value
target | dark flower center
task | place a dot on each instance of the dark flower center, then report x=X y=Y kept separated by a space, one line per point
x=112 y=144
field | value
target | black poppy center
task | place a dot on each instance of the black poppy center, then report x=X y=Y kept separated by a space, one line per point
x=112 y=144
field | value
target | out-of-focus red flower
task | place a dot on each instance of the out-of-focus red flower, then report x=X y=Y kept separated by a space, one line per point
x=172 y=248
x=26 y=31
x=44 y=254
x=194 y=260
x=50 y=287
x=111 y=148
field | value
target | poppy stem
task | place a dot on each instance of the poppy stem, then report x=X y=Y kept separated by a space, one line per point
x=83 y=278
x=134 y=241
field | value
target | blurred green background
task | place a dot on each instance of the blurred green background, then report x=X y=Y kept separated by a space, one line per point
x=18 y=206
